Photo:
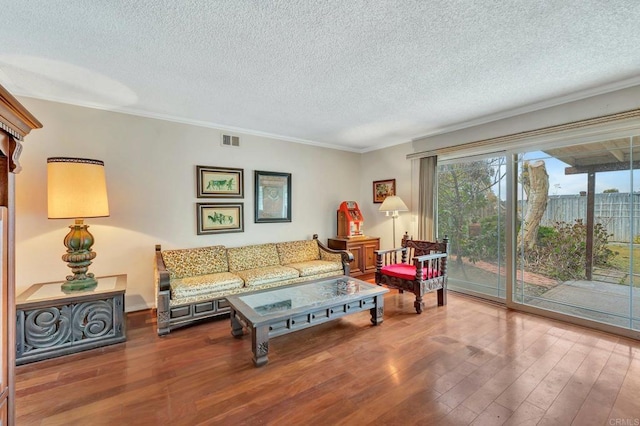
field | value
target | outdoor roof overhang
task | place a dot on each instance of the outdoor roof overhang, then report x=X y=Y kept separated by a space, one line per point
x=604 y=156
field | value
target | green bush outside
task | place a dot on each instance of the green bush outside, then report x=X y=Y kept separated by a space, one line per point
x=483 y=246
x=559 y=252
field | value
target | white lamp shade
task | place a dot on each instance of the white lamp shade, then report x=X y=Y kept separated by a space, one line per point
x=393 y=203
x=76 y=188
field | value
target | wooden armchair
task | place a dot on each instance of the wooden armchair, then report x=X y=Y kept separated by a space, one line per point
x=426 y=272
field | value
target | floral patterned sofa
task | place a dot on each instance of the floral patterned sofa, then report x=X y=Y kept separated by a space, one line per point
x=191 y=284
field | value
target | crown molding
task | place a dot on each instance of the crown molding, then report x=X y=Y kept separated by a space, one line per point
x=181 y=120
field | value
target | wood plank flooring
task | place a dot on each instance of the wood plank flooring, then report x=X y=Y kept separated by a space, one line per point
x=467 y=363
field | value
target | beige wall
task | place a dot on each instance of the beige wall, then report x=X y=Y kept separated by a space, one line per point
x=388 y=163
x=150 y=168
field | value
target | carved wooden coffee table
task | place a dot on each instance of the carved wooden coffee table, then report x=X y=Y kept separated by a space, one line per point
x=282 y=310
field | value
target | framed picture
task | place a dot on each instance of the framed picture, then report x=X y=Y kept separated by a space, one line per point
x=218 y=218
x=219 y=182
x=272 y=197
x=382 y=189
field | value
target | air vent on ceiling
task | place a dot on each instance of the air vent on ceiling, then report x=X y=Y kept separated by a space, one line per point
x=228 y=140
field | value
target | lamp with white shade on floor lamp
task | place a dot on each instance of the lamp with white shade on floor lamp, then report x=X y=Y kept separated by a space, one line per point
x=393 y=204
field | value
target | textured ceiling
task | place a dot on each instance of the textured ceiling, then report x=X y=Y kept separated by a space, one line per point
x=355 y=75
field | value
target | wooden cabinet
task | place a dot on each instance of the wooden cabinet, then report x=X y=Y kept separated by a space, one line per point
x=52 y=323
x=362 y=248
x=15 y=123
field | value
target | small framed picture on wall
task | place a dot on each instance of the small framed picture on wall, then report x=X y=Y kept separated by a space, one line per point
x=219 y=182
x=382 y=189
x=272 y=197
x=218 y=218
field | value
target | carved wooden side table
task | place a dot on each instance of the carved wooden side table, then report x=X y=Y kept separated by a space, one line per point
x=364 y=256
x=51 y=323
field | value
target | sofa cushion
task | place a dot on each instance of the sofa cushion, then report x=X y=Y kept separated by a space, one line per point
x=252 y=257
x=268 y=274
x=315 y=267
x=408 y=272
x=298 y=251
x=195 y=261
x=204 y=284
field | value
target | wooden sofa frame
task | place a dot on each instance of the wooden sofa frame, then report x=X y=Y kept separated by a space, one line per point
x=172 y=317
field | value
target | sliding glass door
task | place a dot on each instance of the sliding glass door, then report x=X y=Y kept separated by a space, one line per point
x=471 y=212
x=551 y=224
x=578 y=231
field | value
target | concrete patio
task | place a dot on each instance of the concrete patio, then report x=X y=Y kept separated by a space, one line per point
x=595 y=300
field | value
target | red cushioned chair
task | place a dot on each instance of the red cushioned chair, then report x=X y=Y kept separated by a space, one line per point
x=426 y=270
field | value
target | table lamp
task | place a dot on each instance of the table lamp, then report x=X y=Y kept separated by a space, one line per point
x=77 y=189
x=393 y=204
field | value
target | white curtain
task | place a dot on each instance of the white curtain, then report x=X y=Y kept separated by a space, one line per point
x=427 y=200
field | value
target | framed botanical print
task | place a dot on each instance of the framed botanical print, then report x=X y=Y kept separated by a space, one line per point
x=272 y=193
x=218 y=218
x=219 y=182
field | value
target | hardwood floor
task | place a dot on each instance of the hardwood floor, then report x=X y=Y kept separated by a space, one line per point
x=469 y=362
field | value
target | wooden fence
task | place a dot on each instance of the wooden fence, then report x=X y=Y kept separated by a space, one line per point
x=613 y=210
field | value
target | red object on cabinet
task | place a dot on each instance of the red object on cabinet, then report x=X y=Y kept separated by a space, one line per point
x=349 y=220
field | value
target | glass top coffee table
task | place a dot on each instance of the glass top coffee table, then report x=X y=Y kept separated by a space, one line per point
x=282 y=310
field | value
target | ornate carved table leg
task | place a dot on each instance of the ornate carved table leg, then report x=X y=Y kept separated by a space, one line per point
x=377 y=313
x=260 y=345
x=442 y=296
x=236 y=325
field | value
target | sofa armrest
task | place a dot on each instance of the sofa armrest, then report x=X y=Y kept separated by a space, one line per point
x=435 y=261
x=163 y=293
x=427 y=257
x=162 y=275
x=383 y=252
x=345 y=256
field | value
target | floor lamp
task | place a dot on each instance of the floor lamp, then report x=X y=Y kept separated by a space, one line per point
x=393 y=204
